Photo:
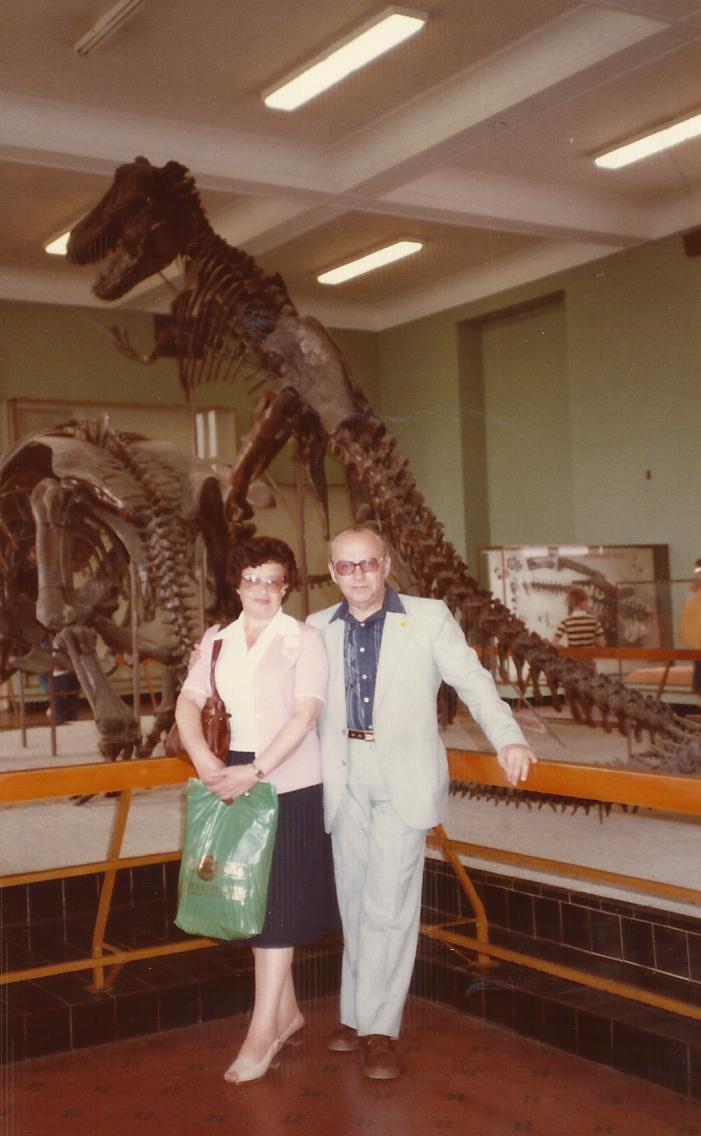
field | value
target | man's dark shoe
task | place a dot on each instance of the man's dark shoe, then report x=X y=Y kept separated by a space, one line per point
x=380 y=1061
x=343 y=1040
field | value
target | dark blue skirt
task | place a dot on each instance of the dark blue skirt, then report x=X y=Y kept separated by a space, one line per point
x=302 y=905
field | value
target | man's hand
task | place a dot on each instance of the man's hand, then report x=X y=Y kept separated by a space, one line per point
x=516 y=760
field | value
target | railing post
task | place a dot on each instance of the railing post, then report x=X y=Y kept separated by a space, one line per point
x=22 y=709
x=105 y=903
x=481 y=921
x=135 y=657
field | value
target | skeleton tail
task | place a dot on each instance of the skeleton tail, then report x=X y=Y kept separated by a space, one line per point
x=367 y=450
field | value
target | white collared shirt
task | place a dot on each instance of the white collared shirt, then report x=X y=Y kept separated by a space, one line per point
x=235 y=679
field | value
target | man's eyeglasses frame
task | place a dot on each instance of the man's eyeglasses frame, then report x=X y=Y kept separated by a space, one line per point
x=348 y=567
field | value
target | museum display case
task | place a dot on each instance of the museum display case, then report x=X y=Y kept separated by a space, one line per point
x=628 y=586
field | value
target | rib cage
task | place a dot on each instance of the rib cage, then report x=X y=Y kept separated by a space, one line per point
x=158 y=517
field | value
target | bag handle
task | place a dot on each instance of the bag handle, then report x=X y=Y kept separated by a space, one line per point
x=216 y=651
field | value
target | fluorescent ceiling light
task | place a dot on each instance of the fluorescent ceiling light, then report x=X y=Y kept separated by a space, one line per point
x=107 y=24
x=650 y=144
x=370 y=261
x=391 y=27
x=58 y=247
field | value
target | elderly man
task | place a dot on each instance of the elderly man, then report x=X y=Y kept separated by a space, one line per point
x=386 y=775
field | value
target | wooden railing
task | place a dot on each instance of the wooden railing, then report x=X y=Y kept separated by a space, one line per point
x=121 y=778
x=666 y=792
x=643 y=654
x=675 y=794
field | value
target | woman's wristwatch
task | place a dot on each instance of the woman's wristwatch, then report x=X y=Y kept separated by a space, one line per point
x=258 y=772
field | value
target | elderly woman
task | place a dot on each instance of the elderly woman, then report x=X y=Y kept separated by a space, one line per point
x=271 y=674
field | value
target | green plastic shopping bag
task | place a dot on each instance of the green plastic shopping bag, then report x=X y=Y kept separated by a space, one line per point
x=225 y=866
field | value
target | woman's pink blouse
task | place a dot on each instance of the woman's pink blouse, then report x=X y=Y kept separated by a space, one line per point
x=294 y=665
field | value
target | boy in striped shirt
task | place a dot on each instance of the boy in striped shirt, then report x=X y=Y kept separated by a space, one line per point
x=579 y=628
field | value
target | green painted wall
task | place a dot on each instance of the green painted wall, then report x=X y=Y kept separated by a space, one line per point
x=527 y=424
x=420 y=402
x=627 y=402
x=473 y=431
x=61 y=352
x=635 y=378
x=56 y=352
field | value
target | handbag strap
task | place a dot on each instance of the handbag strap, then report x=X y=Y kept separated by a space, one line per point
x=216 y=651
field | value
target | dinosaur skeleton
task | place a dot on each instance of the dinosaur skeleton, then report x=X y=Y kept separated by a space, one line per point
x=229 y=318
x=79 y=505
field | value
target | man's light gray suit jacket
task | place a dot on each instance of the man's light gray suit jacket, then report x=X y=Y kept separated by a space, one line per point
x=419 y=648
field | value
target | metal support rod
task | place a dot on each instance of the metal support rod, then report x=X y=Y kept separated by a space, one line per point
x=103 y=907
x=202 y=589
x=52 y=711
x=303 y=568
x=135 y=658
x=192 y=407
x=534 y=710
x=116 y=958
x=22 y=709
x=481 y=921
x=583 y=978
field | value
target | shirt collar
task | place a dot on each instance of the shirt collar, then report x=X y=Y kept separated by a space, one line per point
x=280 y=624
x=392 y=603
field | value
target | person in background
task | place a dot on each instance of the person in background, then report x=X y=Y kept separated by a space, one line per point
x=580 y=628
x=386 y=775
x=66 y=690
x=271 y=674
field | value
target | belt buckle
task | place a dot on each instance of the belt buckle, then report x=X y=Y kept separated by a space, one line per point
x=361 y=735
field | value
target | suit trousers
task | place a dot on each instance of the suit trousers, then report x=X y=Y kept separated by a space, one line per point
x=378 y=863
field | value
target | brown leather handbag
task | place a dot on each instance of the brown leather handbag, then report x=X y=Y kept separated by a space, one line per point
x=215 y=720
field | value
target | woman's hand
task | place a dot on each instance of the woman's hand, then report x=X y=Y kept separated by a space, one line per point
x=231 y=781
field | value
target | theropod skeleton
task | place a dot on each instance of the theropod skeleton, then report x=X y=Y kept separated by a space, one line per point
x=230 y=316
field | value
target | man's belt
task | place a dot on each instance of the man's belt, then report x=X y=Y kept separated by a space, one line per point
x=361 y=735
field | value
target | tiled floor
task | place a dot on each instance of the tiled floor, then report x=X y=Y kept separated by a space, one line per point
x=461 y=1076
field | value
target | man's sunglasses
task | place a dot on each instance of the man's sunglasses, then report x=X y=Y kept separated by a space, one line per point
x=348 y=567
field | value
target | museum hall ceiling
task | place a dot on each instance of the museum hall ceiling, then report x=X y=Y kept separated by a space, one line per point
x=476 y=137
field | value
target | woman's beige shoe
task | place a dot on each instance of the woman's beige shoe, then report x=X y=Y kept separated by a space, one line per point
x=243 y=1069
x=294 y=1027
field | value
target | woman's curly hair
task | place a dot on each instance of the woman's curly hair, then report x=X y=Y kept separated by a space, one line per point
x=262 y=550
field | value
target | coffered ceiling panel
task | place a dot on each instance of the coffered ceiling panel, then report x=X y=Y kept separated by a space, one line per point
x=447 y=250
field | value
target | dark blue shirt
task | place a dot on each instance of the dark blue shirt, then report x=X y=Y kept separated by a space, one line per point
x=361 y=655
